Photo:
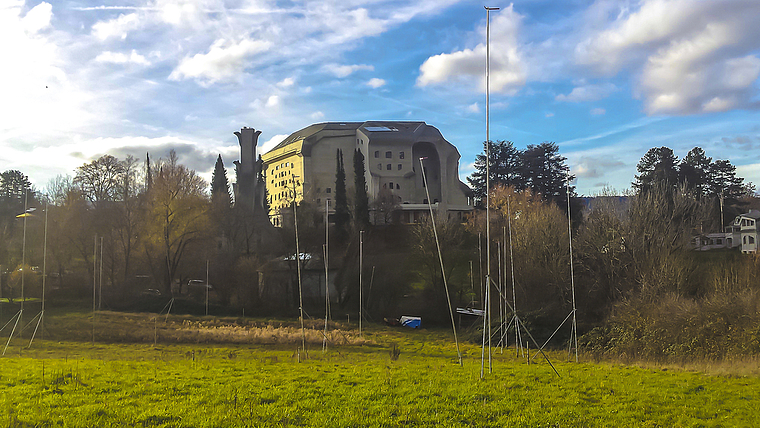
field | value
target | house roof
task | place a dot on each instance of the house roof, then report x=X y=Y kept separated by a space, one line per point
x=752 y=214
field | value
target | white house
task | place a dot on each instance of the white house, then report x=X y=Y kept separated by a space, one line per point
x=743 y=231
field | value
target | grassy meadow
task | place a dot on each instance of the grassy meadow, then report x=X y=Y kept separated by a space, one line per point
x=213 y=372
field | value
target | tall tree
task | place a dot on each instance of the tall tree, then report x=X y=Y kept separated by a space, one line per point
x=177 y=216
x=544 y=172
x=722 y=180
x=361 y=200
x=658 y=165
x=504 y=168
x=220 y=186
x=694 y=170
x=342 y=214
x=13 y=185
x=101 y=180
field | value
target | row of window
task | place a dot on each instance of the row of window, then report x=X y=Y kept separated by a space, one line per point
x=750 y=241
x=389 y=167
x=282 y=183
x=389 y=154
x=390 y=186
x=282 y=165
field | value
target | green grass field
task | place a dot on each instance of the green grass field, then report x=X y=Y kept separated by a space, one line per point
x=80 y=384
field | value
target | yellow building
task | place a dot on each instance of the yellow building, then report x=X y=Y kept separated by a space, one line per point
x=304 y=165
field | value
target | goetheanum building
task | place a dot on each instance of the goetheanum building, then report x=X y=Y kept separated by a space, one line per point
x=304 y=165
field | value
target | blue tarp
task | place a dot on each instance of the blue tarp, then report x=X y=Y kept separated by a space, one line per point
x=411 y=322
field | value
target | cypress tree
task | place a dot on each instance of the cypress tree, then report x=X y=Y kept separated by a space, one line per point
x=220 y=186
x=361 y=204
x=342 y=214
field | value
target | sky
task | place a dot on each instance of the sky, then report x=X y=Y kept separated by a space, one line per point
x=606 y=80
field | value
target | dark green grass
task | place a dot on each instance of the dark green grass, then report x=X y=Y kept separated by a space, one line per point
x=84 y=385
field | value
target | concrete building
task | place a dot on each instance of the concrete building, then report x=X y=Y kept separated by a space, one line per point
x=304 y=165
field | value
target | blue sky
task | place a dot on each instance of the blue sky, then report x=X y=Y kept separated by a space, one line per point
x=606 y=80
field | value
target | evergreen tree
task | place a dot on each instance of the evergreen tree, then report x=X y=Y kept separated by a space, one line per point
x=361 y=201
x=342 y=214
x=694 y=171
x=148 y=172
x=722 y=181
x=659 y=165
x=220 y=186
x=504 y=168
x=544 y=171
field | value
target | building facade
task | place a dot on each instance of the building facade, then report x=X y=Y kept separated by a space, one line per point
x=396 y=156
x=743 y=233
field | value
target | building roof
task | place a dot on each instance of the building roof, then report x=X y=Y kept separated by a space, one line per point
x=380 y=131
x=752 y=214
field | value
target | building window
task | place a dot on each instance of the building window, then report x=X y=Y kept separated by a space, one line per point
x=385 y=186
x=398 y=187
x=328 y=190
x=401 y=155
x=388 y=155
x=399 y=167
x=751 y=239
x=388 y=167
x=380 y=166
x=390 y=185
x=377 y=153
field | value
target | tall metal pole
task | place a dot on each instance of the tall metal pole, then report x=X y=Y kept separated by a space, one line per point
x=44 y=272
x=100 y=283
x=23 y=263
x=487 y=316
x=94 y=283
x=518 y=341
x=206 y=287
x=298 y=264
x=361 y=265
x=440 y=258
x=327 y=276
x=574 y=338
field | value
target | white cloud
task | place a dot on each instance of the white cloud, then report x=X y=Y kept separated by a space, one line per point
x=375 y=82
x=40 y=98
x=38 y=18
x=286 y=82
x=508 y=69
x=317 y=115
x=224 y=61
x=121 y=58
x=270 y=143
x=273 y=101
x=118 y=27
x=473 y=108
x=691 y=56
x=598 y=111
x=548 y=115
x=346 y=70
x=585 y=93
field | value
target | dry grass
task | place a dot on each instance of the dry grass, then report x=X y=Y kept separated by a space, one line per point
x=117 y=327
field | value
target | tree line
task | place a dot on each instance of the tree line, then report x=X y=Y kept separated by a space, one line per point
x=160 y=220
